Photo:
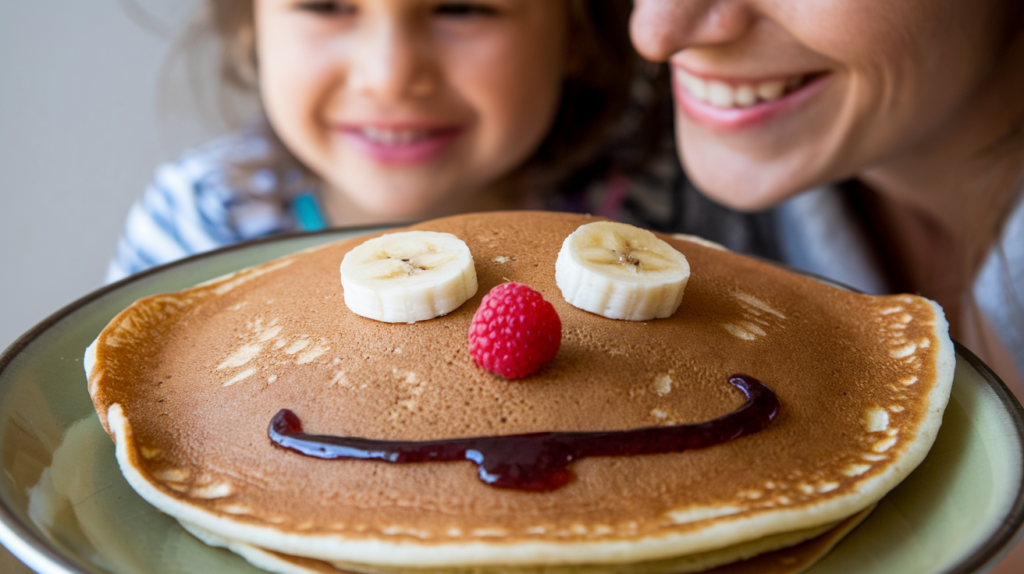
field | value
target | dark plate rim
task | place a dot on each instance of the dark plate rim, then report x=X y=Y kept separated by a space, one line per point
x=43 y=549
x=986 y=555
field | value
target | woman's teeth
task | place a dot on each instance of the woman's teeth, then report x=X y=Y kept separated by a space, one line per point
x=394 y=137
x=722 y=95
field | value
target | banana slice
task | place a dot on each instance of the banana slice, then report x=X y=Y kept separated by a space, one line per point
x=408 y=277
x=621 y=272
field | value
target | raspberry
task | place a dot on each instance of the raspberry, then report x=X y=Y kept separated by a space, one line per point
x=514 y=331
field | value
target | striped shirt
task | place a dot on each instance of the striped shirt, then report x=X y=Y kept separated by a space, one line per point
x=193 y=206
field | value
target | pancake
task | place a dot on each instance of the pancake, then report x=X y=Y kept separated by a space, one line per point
x=188 y=382
x=787 y=553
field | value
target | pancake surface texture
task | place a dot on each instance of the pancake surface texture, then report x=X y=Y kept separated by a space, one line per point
x=187 y=384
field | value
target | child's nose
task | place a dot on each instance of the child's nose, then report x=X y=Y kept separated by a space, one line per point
x=392 y=63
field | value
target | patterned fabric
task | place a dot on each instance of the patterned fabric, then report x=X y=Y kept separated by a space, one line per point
x=193 y=205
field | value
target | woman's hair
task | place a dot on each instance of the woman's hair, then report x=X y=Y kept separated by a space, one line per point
x=596 y=94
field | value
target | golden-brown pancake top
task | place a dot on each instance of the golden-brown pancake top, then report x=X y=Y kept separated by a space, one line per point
x=200 y=373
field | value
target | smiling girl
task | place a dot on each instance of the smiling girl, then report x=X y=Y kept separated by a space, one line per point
x=410 y=109
x=382 y=111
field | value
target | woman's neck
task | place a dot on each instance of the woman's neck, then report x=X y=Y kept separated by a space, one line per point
x=940 y=207
x=940 y=204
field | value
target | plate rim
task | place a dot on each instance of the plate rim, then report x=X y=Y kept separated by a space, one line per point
x=34 y=551
x=40 y=554
x=997 y=546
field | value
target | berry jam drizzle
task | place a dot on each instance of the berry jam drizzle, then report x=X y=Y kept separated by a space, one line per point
x=538 y=461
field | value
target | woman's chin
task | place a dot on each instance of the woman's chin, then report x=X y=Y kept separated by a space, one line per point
x=744 y=185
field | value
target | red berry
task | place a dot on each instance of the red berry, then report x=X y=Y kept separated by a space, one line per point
x=514 y=331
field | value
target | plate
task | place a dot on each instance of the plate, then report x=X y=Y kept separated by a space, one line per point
x=65 y=508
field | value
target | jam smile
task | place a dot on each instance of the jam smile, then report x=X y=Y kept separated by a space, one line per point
x=538 y=461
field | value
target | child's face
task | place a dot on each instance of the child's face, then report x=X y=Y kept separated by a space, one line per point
x=410 y=107
x=849 y=86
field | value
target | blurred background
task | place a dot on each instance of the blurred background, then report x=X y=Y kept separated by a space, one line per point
x=86 y=114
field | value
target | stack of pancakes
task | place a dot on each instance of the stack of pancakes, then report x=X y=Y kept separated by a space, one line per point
x=187 y=384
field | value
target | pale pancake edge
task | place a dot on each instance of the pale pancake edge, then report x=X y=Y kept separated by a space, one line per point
x=786 y=553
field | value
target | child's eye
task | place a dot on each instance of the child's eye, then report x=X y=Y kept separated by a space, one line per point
x=327 y=7
x=465 y=9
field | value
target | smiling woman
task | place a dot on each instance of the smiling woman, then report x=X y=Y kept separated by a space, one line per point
x=801 y=95
x=905 y=120
x=922 y=106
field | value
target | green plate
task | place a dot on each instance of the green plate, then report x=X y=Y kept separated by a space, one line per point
x=65 y=508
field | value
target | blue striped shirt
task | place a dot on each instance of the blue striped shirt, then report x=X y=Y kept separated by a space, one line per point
x=193 y=205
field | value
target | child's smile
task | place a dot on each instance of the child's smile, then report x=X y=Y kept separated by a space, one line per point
x=399 y=144
x=408 y=108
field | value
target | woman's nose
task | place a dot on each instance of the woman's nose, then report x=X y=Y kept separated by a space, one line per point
x=391 y=63
x=660 y=28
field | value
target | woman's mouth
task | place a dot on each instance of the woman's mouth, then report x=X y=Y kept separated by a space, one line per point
x=397 y=144
x=735 y=104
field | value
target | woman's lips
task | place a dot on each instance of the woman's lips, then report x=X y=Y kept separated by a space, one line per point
x=738 y=104
x=400 y=145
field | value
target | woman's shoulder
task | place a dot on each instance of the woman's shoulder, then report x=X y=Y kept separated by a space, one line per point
x=999 y=285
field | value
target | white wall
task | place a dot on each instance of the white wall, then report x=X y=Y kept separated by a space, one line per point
x=81 y=129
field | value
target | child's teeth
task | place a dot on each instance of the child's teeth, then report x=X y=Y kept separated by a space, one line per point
x=723 y=95
x=394 y=137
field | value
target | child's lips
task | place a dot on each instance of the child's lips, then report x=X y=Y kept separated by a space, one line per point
x=400 y=144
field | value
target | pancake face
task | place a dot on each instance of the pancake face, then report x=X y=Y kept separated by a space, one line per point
x=188 y=383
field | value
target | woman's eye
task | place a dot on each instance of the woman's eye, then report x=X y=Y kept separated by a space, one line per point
x=327 y=8
x=465 y=9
